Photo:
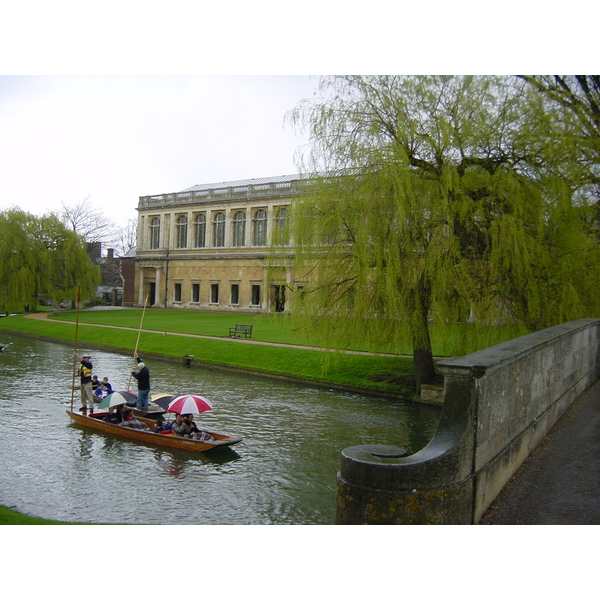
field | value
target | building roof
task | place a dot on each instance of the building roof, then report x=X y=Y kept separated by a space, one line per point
x=242 y=183
x=131 y=253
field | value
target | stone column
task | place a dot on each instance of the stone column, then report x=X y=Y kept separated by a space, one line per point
x=158 y=289
x=141 y=286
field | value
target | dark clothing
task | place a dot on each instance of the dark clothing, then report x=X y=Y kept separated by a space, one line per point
x=192 y=426
x=142 y=376
x=112 y=418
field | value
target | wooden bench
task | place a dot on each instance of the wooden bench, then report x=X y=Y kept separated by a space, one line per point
x=240 y=330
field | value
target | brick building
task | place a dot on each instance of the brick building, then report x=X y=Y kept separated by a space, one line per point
x=110 y=291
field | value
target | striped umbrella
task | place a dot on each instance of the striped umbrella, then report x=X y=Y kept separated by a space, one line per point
x=189 y=404
x=114 y=399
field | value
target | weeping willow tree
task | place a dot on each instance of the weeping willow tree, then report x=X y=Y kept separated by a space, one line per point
x=40 y=257
x=442 y=202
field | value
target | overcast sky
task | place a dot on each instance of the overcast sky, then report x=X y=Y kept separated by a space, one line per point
x=65 y=138
x=98 y=131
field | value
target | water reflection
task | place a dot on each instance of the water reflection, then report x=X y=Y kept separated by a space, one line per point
x=284 y=472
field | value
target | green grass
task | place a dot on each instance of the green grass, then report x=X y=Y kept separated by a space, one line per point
x=12 y=517
x=279 y=328
x=167 y=338
x=377 y=374
x=267 y=328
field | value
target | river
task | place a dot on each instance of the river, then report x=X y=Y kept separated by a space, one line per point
x=283 y=472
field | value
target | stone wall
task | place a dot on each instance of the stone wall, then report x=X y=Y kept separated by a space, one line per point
x=499 y=403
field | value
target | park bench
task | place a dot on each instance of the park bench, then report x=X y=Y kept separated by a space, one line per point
x=240 y=330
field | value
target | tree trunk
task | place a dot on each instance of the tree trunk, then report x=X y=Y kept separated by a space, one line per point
x=423 y=366
x=422 y=357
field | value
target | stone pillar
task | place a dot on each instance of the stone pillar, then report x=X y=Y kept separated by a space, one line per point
x=141 y=294
x=158 y=291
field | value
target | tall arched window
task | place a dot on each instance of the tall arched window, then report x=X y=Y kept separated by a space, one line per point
x=181 y=227
x=155 y=233
x=280 y=231
x=219 y=230
x=239 y=228
x=200 y=231
x=260 y=228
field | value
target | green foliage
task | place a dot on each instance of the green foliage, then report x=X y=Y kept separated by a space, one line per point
x=39 y=257
x=446 y=202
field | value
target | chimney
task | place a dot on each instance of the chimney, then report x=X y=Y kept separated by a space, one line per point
x=110 y=253
x=94 y=250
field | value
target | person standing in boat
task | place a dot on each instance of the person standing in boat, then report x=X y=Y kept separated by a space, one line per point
x=85 y=374
x=143 y=378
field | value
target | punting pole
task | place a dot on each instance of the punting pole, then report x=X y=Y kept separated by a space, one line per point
x=75 y=345
x=137 y=342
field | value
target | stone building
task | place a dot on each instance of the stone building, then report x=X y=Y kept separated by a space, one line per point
x=128 y=275
x=210 y=247
x=110 y=291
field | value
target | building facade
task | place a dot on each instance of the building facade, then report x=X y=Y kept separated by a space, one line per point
x=110 y=291
x=217 y=247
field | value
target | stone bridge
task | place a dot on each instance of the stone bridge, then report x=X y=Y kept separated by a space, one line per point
x=499 y=403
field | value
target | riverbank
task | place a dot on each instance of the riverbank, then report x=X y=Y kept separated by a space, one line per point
x=8 y=516
x=377 y=374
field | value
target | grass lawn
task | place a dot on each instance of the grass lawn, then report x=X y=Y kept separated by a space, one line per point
x=376 y=374
x=166 y=334
x=275 y=328
x=12 y=517
x=278 y=328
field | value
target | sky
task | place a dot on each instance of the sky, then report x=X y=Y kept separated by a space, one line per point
x=116 y=138
x=137 y=99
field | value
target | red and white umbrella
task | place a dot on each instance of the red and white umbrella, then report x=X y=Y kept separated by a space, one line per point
x=189 y=404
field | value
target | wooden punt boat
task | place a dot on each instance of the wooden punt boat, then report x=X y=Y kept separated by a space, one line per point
x=167 y=439
x=154 y=412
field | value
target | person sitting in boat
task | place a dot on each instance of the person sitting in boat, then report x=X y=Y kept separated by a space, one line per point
x=114 y=416
x=195 y=433
x=189 y=419
x=130 y=421
x=180 y=427
x=159 y=426
x=95 y=383
x=101 y=391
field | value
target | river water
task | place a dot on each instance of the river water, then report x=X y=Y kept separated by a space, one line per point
x=283 y=472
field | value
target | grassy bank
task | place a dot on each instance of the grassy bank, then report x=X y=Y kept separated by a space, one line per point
x=278 y=328
x=12 y=517
x=375 y=374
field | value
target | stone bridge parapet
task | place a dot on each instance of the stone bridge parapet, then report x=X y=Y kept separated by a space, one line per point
x=499 y=403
